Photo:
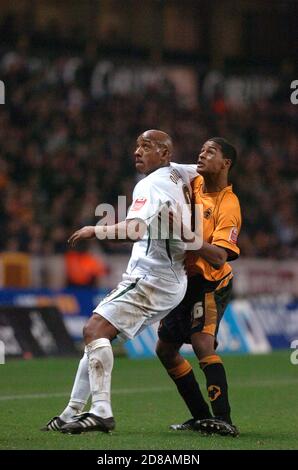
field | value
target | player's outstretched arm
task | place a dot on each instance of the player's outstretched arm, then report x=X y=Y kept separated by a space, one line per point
x=128 y=230
x=85 y=233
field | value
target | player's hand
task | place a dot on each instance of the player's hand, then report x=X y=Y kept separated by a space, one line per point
x=85 y=233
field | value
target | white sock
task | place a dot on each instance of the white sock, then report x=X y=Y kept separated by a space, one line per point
x=80 y=391
x=101 y=361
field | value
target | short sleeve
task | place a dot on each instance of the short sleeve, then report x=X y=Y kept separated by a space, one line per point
x=228 y=225
x=147 y=203
x=189 y=171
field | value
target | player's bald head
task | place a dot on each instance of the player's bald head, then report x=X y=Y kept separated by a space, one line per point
x=154 y=150
x=160 y=138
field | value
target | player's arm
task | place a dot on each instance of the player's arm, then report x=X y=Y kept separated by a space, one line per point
x=128 y=230
x=214 y=255
x=189 y=169
x=224 y=239
x=223 y=246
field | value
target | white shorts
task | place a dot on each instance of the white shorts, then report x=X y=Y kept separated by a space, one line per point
x=140 y=301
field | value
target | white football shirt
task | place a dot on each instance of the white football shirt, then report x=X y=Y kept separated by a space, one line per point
x=156 y=253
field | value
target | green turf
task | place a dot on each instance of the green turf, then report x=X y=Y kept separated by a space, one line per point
x=263 y=395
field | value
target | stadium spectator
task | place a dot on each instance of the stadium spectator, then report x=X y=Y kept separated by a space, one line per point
x=83 y=269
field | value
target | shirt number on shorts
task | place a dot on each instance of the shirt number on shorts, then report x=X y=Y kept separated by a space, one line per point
x=197 y=311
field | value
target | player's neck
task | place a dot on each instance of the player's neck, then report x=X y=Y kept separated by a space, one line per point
x=214 y=183
x=154 y=169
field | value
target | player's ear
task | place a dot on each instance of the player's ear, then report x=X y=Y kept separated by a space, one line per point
x=227 y=163
x=164 y=153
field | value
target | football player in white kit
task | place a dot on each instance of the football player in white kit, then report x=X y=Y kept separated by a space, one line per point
x=154 y=283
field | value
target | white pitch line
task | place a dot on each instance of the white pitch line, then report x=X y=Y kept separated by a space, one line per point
x=64 y=394
x=125 y=391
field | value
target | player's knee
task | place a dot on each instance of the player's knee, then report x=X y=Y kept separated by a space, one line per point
x=87 y=333
x=160 y=349
x=98 y=327
x=203 y=344
x=90 y=332
x=166 y=353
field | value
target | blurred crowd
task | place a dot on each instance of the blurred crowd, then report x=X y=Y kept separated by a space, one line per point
x=67 y=145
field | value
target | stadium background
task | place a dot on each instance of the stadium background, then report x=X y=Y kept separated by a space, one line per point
x=82 y=80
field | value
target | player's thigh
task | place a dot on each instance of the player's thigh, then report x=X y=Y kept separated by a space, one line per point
x=206 y=316
x=176 y=326
x=135 y=305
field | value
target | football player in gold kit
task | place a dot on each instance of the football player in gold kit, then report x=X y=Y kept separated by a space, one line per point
x=196 y=319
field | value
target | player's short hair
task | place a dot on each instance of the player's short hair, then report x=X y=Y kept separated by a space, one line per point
x=228 y=150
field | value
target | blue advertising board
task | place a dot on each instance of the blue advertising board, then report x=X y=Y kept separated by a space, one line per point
x=248 y=326
x=76 y=305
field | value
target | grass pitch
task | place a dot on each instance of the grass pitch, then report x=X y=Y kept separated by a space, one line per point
x=263 y=396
